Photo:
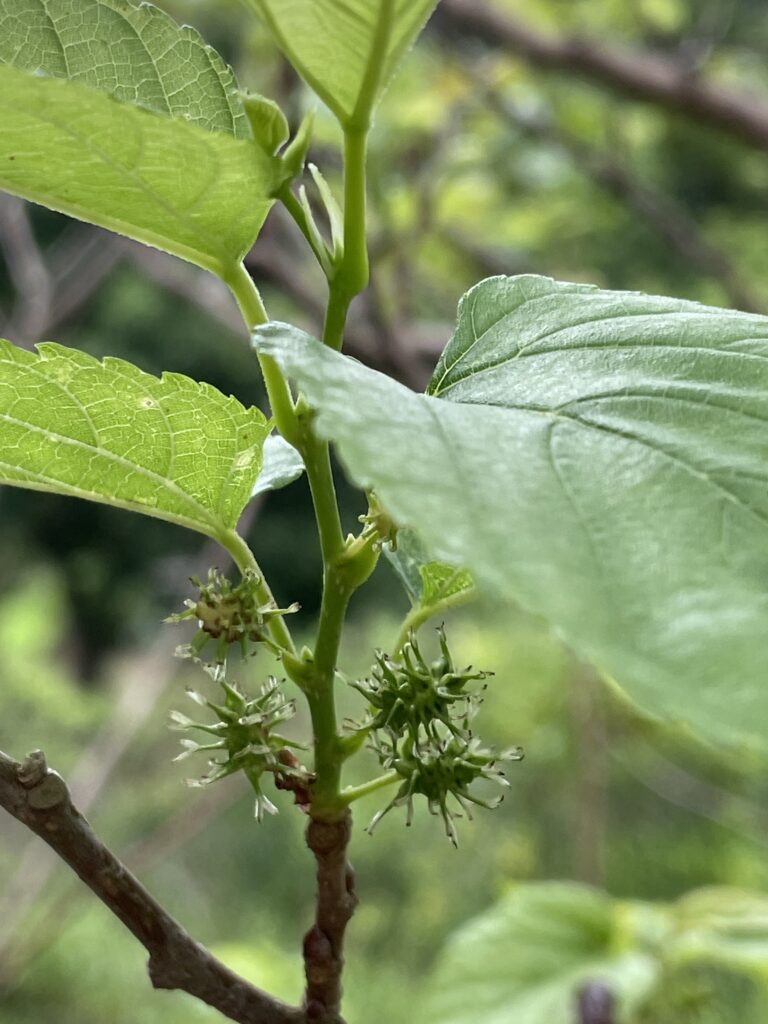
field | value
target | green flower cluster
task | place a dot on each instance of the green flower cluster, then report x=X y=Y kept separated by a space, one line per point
x=445 y=768
x=409 y=696
x=244 y=740
x=227 y=613
x=419 y=723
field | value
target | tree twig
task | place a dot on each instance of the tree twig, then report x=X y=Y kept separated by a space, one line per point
x=39 y=799
x=336 y=901
x=644 y=76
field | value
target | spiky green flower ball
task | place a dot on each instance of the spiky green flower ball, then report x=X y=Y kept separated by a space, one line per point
x=410 y=696
x=444 y=770
x=245 y=739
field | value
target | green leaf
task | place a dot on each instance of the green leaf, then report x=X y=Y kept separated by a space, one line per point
x=198 y=194
x=599 y=457
x=427 y=582
x=346 y=50
x=106 y=431
x=137 y=54
x=268 y=123
x=281 y=466
x=724 y=925
x=525 y=960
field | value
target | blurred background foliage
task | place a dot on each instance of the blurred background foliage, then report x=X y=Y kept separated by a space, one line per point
x=482 y=162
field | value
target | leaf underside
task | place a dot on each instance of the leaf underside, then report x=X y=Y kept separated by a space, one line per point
x=79 y=151
x=330 y=43
x=282 y=464
x=137 y=54
x=108 y=432
x=600 y=457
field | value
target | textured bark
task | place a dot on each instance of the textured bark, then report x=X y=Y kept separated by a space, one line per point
x=336 y=901
x=39 y=799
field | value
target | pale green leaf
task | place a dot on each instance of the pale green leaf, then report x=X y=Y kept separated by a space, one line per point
x=137 y=54
x=282 y=465
x=600 y=457
x=727 y=926
x=346 y=50
x=201 y=195
x=525 y=960
x=441 y=582
x=427 y=582
x=268 y=123
x=407 y=560
x=106 y=431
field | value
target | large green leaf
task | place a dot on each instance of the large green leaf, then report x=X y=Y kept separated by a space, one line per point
x=600 y=457
x=201 y=195
x=525 y=960
x=107 y=431
x=137 y=54
x=347 y=50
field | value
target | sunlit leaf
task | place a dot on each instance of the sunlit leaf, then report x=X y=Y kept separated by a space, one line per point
x=107 y=431
x=347 y=50
x=136 y=53
x=599 y=457
x=77 y=150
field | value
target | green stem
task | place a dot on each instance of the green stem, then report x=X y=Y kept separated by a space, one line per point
x=354 y=271
x=420 y=614
x=322 y=695
x=245 y=560
x=317 y=460
x=352 y=793
x=254 y=314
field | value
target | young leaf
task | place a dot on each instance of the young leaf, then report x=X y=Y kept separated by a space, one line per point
x=346 y=50
x=77 y=150
x=525 y=959
x=137 y=54
x=427 y=582
x=599 y=457
x=282 y=465
x=169 y=447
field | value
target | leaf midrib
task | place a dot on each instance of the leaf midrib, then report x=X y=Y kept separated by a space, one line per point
x=204 y=515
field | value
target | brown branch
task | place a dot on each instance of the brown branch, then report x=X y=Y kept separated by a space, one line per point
x=336 y=901
x=39 y=799
x=643 y=76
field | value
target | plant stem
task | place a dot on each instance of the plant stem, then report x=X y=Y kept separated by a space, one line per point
x=254 y=314
x=352 y=793
x=420 y=614
x=354 y=273
x=245 y=560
